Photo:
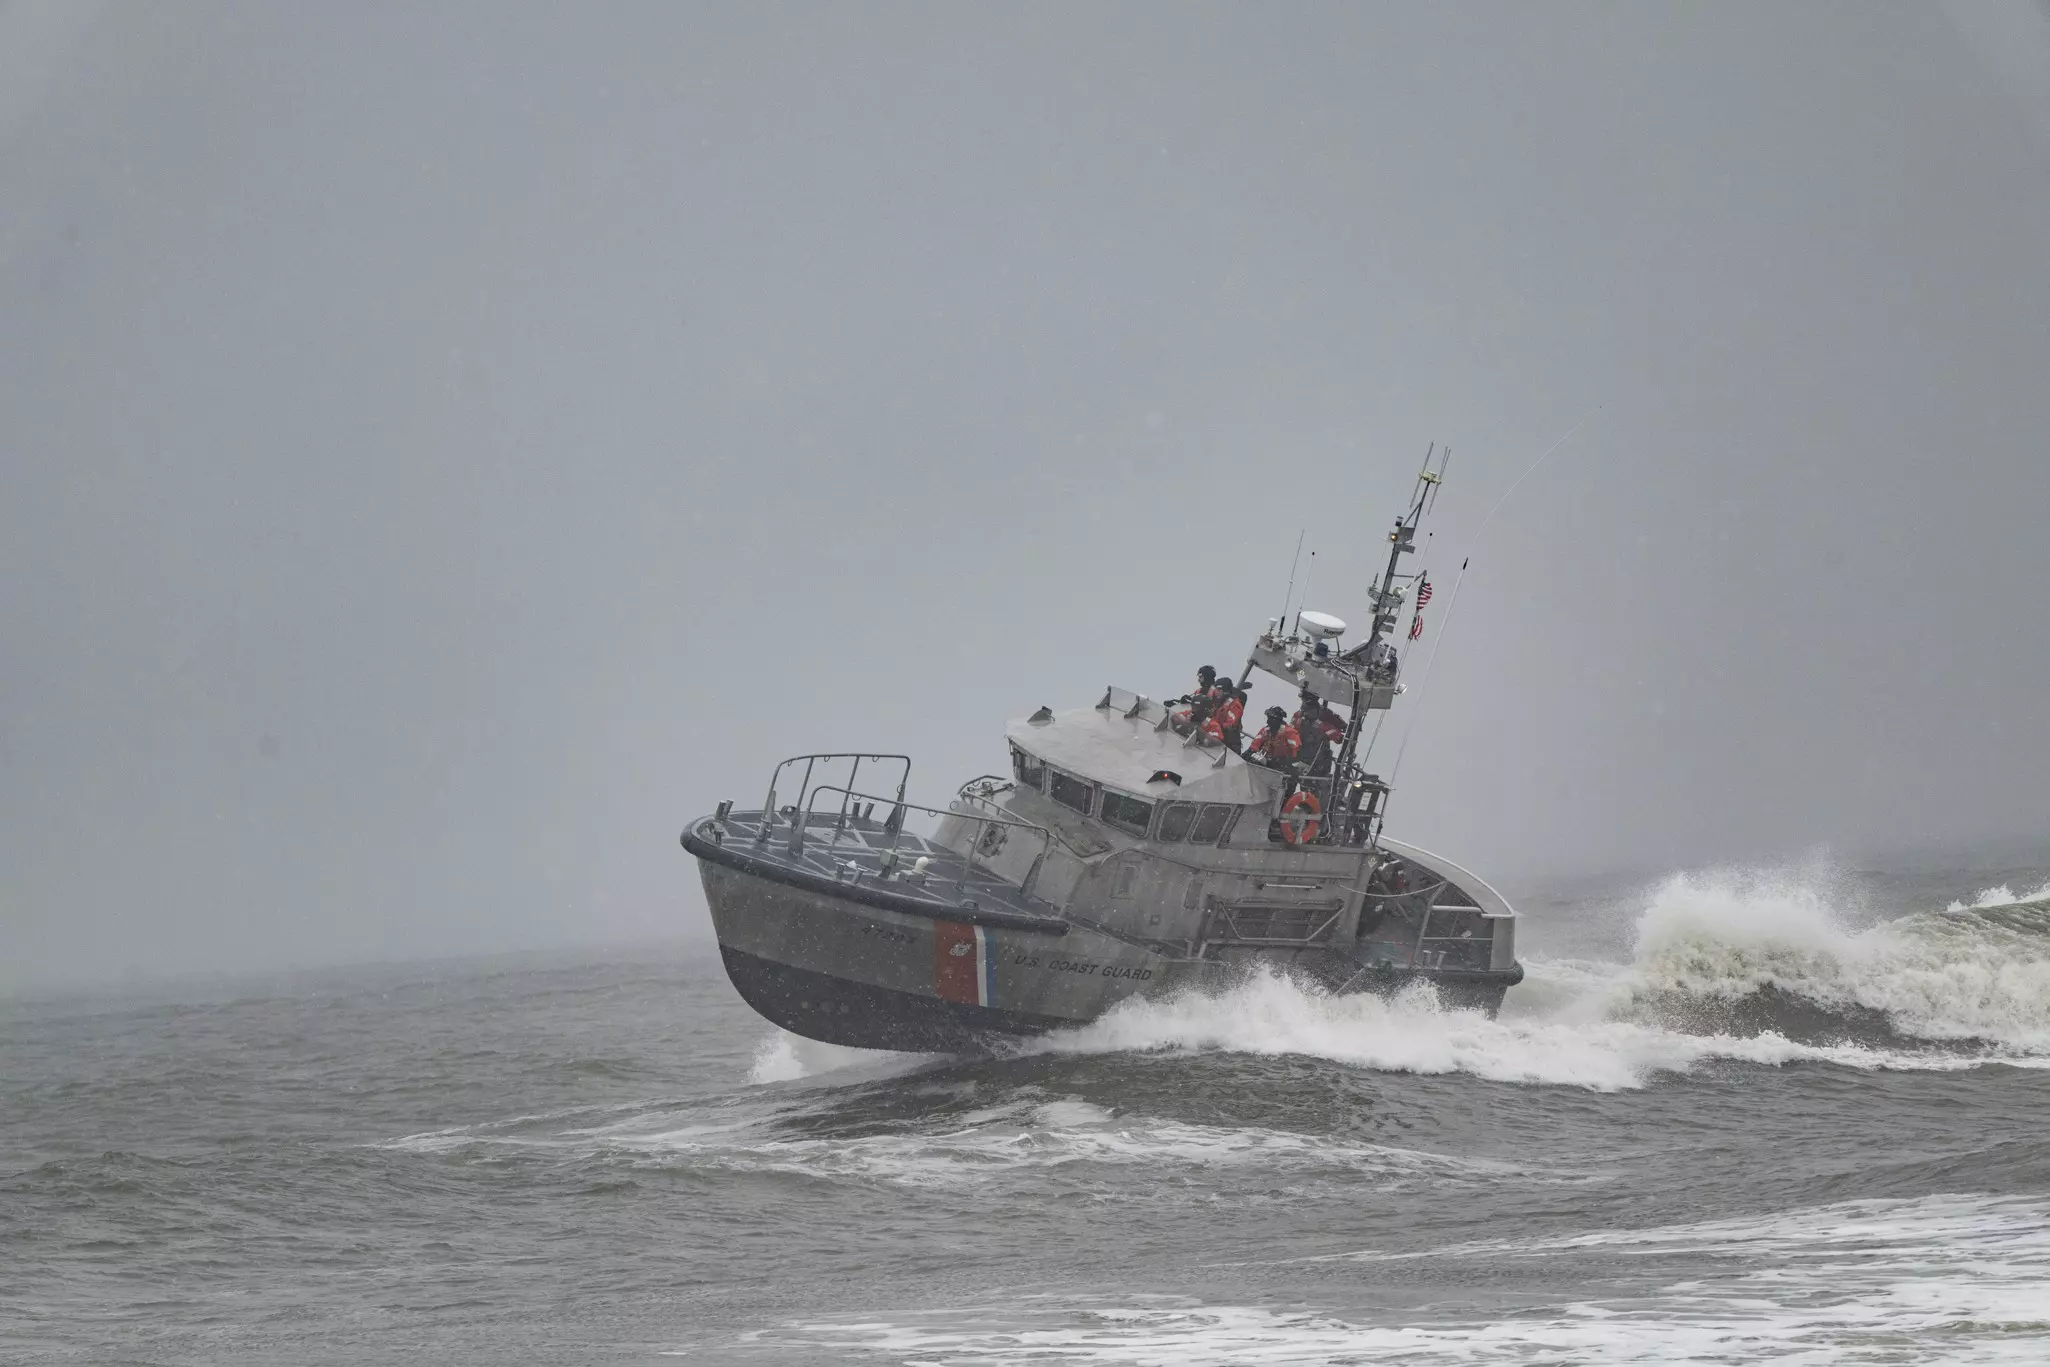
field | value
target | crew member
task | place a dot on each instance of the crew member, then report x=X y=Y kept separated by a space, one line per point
x=1278 y=743
x=1322 y=731
x=1230 y=713
x=1313 y=715
x=1198 y=704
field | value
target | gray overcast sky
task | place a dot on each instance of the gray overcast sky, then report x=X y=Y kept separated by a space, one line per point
x=444 y=447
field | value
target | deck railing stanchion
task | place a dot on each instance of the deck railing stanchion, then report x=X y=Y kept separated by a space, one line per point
x=1423 y=928
x=853 y=773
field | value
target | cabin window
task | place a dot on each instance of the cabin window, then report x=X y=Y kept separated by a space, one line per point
x=1175 y=820
x=1127 y=813
x=1070 y=791
x=1211 y=826
x=1030 y=772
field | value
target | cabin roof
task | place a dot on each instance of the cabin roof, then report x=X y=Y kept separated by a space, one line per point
x=1107 y=746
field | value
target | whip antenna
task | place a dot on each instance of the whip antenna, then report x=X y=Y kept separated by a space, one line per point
x=1283 y=619
x=1312 y=574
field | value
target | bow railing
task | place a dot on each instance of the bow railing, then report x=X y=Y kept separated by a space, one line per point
x=853 y=814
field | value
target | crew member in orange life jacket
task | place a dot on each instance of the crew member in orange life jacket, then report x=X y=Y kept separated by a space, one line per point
x=1278 y=743
x=1231 y=711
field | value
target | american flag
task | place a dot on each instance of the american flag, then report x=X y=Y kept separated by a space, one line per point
x=1416 y=626
x=1423 y=591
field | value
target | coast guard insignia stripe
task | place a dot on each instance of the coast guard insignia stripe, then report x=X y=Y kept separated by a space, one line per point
x=963 y=963
x=955 y=968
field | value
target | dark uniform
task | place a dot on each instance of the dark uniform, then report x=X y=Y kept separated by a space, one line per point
x=1322 y=730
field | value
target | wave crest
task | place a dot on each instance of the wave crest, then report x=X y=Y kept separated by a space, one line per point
x=1705 y=945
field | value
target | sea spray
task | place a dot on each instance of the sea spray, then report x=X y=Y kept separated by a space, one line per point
x=1980 y=973
x=1779 y=943
x=2001 y=896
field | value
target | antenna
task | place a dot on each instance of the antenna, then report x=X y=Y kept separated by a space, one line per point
x=1306 y=590
x=1291 y=575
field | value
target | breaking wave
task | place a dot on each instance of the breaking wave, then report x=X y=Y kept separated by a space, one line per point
x=2001 y=896
x=1745 y=969
x=1978 y=974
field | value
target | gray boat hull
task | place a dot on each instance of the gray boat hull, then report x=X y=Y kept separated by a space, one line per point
x=833 y=968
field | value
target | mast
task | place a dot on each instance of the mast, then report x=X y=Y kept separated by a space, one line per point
x=1387 y=600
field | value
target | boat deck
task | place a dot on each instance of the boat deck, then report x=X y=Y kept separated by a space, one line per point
x=850 y=857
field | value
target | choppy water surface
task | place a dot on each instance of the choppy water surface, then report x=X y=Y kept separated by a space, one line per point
x=1727 y=1120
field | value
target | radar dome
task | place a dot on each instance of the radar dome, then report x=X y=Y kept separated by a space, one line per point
x=1320 y=624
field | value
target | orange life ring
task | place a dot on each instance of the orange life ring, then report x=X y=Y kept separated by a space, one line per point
x=1299 y=830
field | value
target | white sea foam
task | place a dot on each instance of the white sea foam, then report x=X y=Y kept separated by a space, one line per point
x=1049 y=1136
x=1953 y=1279
x=1935 y=976
x=2001 y=896
x=1268 y=1014
x=784 y=1057
x=1604 y=1026
x=1025 y=1136
x=967 y=1158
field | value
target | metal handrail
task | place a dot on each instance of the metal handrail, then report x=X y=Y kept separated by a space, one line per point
x=894 y=826
x=810 y=763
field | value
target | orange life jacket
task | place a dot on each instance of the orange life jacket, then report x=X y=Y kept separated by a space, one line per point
x=1279 y=746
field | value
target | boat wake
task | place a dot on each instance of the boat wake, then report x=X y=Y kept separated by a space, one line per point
x=1741 y=969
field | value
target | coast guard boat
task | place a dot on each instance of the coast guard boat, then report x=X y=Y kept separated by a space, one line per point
x=1131 y=849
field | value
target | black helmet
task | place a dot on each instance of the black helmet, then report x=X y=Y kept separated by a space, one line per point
x=1224 y=682
x=1276 y=716
x=1206 y=676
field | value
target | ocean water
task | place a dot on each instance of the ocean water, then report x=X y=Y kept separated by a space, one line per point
x=1799 y=1117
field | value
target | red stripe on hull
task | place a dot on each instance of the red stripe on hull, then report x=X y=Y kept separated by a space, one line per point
x=953 y=962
